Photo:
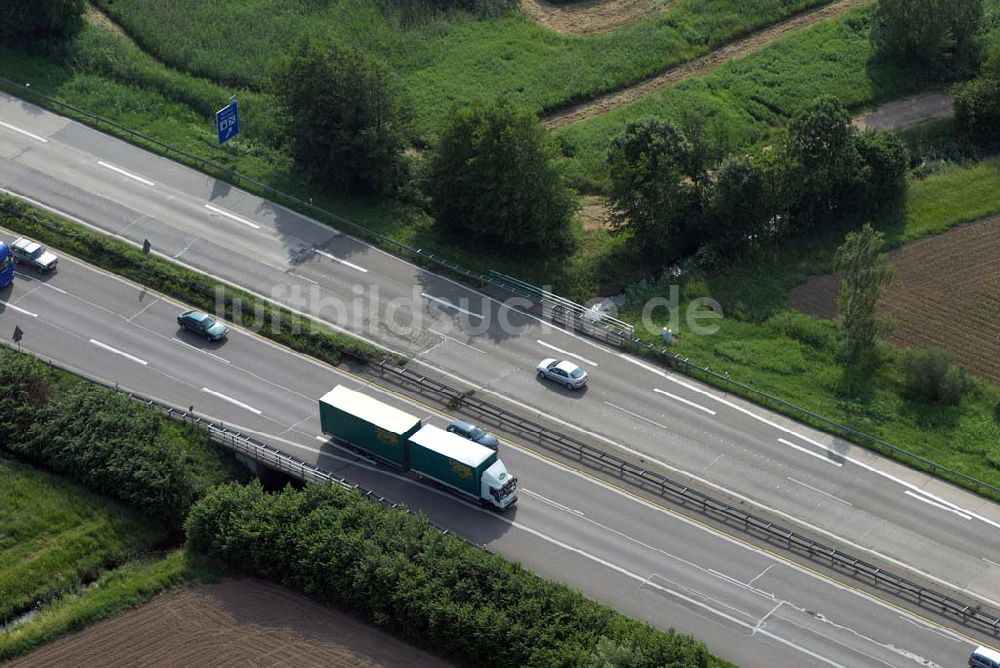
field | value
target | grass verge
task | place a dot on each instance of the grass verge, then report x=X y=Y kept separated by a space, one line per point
x=128 y=586
x=57 y=535
x=183 y=284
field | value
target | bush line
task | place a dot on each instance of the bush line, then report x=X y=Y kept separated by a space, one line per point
x=396 y=570
x=191 y=287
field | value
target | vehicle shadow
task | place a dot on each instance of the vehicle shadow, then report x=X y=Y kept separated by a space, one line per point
x=562 y=389
x=198 y=341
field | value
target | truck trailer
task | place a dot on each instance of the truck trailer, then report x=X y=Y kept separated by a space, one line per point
x=403 y=441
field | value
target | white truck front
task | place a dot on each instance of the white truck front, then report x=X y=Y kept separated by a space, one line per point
x=499 y=487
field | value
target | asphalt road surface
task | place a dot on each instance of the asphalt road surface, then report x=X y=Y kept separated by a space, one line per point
x=751 y=606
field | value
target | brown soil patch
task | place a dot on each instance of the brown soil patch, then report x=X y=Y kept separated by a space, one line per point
x=697 y=67
x=592 y=16
x=907 y=112
x=945 y=294
x=234 y=623
x=594 y=213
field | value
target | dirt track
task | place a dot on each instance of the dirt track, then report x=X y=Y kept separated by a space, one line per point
x=945 y=294
x=234 y=623
x=699 y=66
x=907 y=112
x=592 y=16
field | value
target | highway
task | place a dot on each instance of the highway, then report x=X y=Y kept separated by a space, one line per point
x=751 y=606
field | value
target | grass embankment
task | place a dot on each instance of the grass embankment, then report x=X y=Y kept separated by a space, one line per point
x=190 y=287
x=764 y=344
x=444 y=57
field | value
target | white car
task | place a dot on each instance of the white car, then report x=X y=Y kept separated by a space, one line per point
x=565 y=373
x=34 y=255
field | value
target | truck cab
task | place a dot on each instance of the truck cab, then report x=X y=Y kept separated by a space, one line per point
x=499 y=486
x=6 y=265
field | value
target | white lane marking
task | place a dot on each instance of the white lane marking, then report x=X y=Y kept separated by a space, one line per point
x=445 y=302
x=929 y=502
x=819 y=491
x=18 y=309
x=684 y=401
x=232 y=216
x=25 y=132
x=713 y=485
x=454 y=340
x=566 y=352
x=204 y=352
x=992 y=563
x=635 y=415
x=810 y=452
x=235 y=402
x=759 y=575
x=118 y=352
x=846 y=458
x=340 y=260
x=323 y=439
x=292 y=273
x=555 y=504
x=124 y=173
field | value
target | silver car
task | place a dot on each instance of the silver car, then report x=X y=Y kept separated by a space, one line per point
x=565 y=373
x=34 y=255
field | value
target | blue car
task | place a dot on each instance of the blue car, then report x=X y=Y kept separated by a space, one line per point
x=474 y=433
x=203 y=324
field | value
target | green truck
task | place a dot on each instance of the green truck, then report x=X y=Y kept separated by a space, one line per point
x=399 y=439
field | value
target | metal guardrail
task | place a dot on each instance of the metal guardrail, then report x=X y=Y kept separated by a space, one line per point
x=690 y=498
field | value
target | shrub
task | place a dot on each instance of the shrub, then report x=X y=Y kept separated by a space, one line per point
x=493 y=177
x=30 y=20
x=977 y=108
x=931 y=376
x=399 y=571
x=104 y=440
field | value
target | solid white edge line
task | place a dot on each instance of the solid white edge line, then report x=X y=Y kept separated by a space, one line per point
x=18 y=309
x=810 y=452
x=635 y=415
x=231 y=216
x=929 y=502
x=448 y=304
x=235 y=402
x=819 y=491
x=124 y=354
x=566 y=352
x=124 y=173
x=25 y=132
x=204 y=352
x=685 y=401
x=454 y=340
x=340 y=260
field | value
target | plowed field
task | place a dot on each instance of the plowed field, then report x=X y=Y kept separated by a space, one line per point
x=234 y=623
x=945 y=294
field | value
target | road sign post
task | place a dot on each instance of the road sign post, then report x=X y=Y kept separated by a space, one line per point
x=227 y=120
x=18 y=335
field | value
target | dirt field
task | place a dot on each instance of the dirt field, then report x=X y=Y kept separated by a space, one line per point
x=945 y=294
x=234 y=623
x=907 y=112
x=698 y=66
x=592 y=16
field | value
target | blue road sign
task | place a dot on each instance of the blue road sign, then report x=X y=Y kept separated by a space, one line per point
x=227 y=120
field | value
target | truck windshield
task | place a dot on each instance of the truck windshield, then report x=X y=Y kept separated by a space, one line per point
x=508 y=488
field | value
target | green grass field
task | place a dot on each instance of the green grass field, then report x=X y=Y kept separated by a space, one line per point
x=55 y=535
x=441 y=59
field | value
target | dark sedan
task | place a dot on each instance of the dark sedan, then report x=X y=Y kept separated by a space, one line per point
x=203 y=324
x=474 y=433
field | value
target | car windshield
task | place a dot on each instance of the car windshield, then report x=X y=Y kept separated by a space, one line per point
x=35 y=252
x=577 y=373
x=477 y=433
x=208 y=322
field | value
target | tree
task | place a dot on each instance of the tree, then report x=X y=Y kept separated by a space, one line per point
x=884 y=161
x=348 y=118
x=746 y=202
x=654 y=180
x=823 y=160
x=30 y=20
x=864 y=273
x=931 y=376
x=977 y=109
x=924 y=31
x=493 y=176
